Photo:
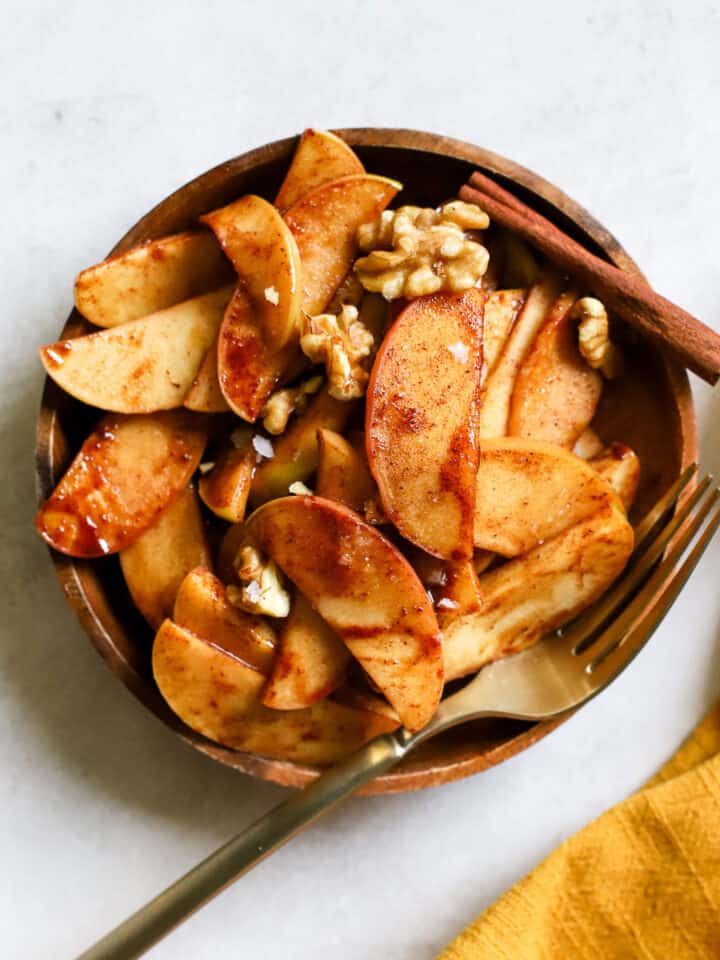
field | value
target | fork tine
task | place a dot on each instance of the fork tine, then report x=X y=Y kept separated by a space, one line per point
x=605 y=667
x=646 y=526
x=585 y=630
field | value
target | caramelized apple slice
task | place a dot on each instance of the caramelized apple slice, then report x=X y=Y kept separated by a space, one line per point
x=324 y=223
x=127 y=472
x=363 y=700
x=342 y=472
x=205 y=394
x=311 y=660
x=363 y=587
x=453 y=587
x=556 y=392
x=151 y=277
x=460 y=594
x=234 y=538
x=422 y=408
x=161 y=557
x=498 y=389
x=319 y=158
x=540 y=591
x=225 y=488
x=295 y=453
x=202 y=608
x=142 y=366
x=619 y=466
x=248 y=369
x=501 y=310
x=217 y=695
x=482 y=559
x=263 y=251
x=528 y=491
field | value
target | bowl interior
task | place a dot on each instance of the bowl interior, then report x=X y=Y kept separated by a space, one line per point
x=651 y=410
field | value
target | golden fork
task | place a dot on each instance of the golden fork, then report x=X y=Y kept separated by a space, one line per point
x=557 y=675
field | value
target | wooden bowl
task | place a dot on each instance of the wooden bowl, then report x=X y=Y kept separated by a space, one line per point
x=651 y=410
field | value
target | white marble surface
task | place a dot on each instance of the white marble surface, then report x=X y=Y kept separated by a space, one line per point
x=107 y=108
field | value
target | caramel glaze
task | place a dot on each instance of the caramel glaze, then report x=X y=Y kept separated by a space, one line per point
x=247 y=370
x=100 y=506
x=619 y=451
x=55 y=353
x=457 y=477
x=420 y=339
x=331 y=553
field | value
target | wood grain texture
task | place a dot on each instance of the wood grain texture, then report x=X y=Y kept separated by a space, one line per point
x=651 y=411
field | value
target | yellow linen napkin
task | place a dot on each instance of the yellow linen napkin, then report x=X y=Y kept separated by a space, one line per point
x=643 y=880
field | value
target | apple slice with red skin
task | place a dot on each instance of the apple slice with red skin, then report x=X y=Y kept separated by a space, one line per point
x=556 y=393
x=260 y=329
x=364 y=588
x=498 y=389
x=320 y=157
x=421 y=419
x=127 y=472
x=249 y=368
x=324 y=223
x=311 y=660
x=262 y=249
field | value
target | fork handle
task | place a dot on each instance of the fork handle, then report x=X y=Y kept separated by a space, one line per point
x=158 y=917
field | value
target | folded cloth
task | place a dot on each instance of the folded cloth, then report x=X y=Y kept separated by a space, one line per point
x=643 y=880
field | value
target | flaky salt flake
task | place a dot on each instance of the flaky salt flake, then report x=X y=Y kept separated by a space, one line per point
x=263 y=448
x=460 y=351
x=447 y=604
x=298 y=488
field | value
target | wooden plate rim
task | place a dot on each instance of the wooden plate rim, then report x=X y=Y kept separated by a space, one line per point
x=99 y=625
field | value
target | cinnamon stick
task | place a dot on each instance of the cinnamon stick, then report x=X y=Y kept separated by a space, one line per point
x=691 y=342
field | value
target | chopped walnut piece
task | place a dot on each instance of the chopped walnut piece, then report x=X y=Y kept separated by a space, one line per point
x=594 y=337
x=414 y=251
x=341 y=343
x=280 y=405
x=261 y=590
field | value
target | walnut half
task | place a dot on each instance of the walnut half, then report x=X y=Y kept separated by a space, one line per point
x=414 y=251
x=594 y=337
x=340 y=342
